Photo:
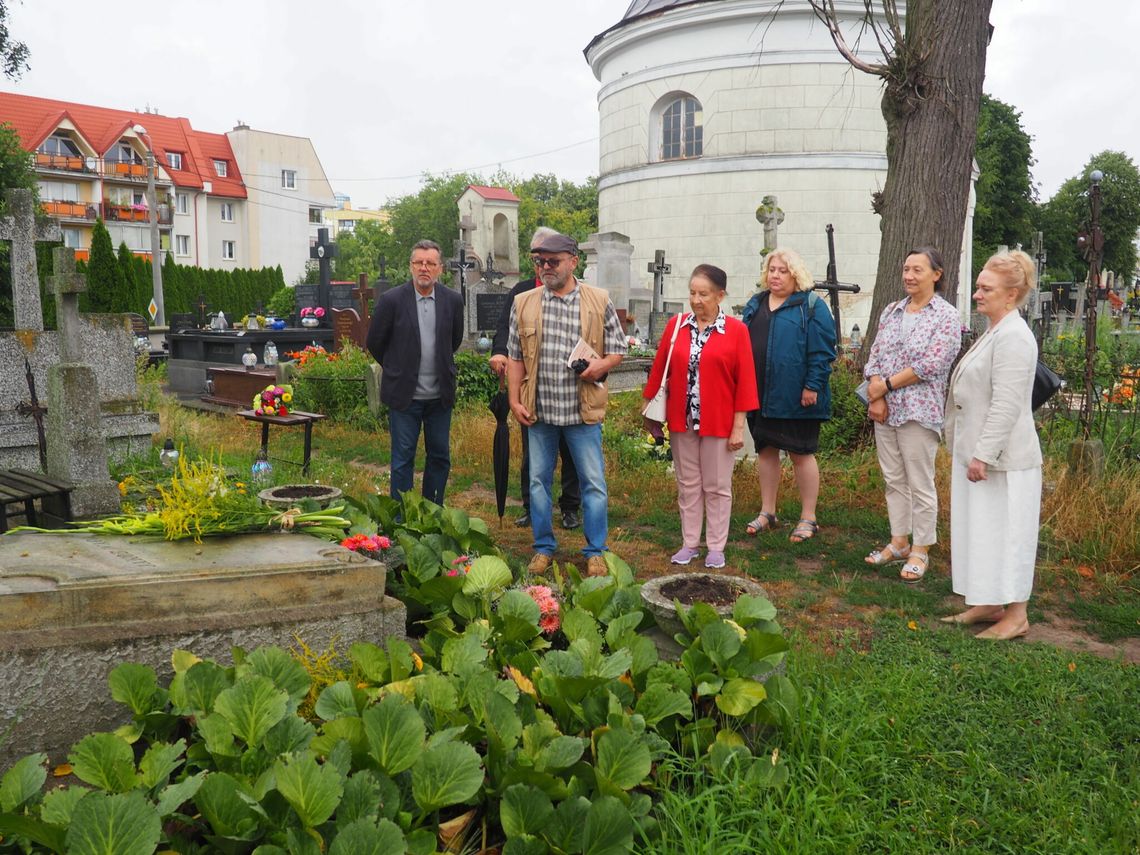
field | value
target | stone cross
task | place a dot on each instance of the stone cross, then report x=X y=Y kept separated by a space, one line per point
x=324 y=252
x=21 y=229
x=659 y=268
x=769 y=215
x=66 y=284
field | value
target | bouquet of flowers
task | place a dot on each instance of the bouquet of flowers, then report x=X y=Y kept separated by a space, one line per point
x=370 y=545
x=313 y=312
x=273 y=400
x=310 y=353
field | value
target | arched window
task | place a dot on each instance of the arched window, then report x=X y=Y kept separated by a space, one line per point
x=681 y=130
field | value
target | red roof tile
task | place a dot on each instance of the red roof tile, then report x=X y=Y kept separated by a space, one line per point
x=101 y=127
x=500 y=194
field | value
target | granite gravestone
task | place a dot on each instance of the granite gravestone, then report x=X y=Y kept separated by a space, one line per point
x=77 y=450
x=72 y=607
x=22 y=230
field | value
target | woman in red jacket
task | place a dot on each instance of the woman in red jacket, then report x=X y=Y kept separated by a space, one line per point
x=711 y=385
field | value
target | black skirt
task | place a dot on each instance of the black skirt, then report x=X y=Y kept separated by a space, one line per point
x=799 y=436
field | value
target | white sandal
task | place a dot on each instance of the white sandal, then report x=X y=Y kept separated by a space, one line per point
x=889 y=554
x=916 y=571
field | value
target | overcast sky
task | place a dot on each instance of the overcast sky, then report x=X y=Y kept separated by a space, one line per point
x=389 y=90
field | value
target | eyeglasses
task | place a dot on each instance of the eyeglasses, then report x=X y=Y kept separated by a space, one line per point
x=545 y=262
x=425 y=264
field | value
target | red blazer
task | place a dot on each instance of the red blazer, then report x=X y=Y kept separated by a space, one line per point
x=728 y=377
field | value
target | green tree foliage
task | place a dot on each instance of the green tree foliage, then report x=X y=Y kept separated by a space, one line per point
x=431 y=213
x=13 y=54
x=1004 y=211
x=105 y=280
x=1063 y=216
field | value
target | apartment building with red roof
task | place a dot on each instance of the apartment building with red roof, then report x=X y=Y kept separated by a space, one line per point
x=245 y=198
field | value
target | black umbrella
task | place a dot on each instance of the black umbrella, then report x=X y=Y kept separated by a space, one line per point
x=501 y=447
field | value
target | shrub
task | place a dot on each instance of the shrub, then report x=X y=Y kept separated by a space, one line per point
x=849 y=424
x=282 y=303
x=475 y=384
x=334 y=384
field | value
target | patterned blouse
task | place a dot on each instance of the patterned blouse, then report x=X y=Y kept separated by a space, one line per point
x=929 y=348
x=699 y=339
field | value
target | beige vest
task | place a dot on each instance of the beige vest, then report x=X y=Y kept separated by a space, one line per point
x=528 y=311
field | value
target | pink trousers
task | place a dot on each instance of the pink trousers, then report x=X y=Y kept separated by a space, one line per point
x=704 y=487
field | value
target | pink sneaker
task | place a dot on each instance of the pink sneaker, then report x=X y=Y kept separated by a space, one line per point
x=715 y=559
x=684 y=555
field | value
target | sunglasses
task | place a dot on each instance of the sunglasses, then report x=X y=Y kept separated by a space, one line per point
x=545 y=262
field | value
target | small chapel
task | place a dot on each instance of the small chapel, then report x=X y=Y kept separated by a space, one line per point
x=706 y=107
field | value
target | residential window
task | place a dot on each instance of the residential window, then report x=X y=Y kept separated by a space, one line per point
x=222 y=168
x=58 y=191
x=182 y=244
x=227 y=212
x=60 y=146
x=681 y=129
x=316 y=215
x=228 y=247
x=72 y=238
x=128 y=154
x=174 y=159
x=181 y=203
x=289 y=179
x=348 y=226
x=139 y=199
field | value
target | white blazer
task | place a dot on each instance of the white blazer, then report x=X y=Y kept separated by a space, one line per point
x=988 y=407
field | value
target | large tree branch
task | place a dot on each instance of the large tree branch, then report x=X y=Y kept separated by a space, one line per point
x=825 y=11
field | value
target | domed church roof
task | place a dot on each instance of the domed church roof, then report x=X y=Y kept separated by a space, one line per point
x=639 y=9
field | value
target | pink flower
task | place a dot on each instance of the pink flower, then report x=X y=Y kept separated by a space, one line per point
x=550 y=624
x=319 y=311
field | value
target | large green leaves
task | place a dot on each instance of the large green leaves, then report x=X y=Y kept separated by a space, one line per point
x=446 y=775
x=229 y=815
x=252 y=706
x=395 y=734
x=487 y=574
x=22 y=781
x=608 y=829
x=283 y=670
x=106 y=761
x=524 y=810
x=623 y=758
x=740 y=696
x=313 y=790
x=364 y=838
x=103 y=824
x=193 y=691
x=136 y=686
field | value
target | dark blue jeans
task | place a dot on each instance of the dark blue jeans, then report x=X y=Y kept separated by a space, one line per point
x=404 y=427
x=571 y=498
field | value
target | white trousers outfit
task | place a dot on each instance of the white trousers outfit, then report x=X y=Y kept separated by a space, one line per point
x=906 y=456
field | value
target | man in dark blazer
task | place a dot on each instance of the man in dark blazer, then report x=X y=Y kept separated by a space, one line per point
x=570 y=501
x=415 y=331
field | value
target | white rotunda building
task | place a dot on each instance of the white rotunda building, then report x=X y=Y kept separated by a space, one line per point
x=708 y=106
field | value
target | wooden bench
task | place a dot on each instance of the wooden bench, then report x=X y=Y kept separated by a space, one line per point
x=18 y=486
x=295 y=417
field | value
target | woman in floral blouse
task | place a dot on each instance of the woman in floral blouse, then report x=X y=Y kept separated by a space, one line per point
x=919 y=337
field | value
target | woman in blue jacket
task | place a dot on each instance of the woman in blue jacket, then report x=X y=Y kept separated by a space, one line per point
x=793 y=345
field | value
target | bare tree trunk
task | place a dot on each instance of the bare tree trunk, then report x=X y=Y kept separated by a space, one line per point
x=932 y=77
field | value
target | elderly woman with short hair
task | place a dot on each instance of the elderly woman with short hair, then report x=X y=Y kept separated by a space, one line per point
x=919 y=336
x=995 y=482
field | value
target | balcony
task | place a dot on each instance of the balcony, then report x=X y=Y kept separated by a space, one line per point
x=64 y=162
x=69 y=210
x=136 y=213
x=124 y=170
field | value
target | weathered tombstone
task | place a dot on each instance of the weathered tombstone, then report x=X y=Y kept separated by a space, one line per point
x=74 y=606
x=77 y=448
x=769 y=214
x=486 y=303
x=608 y=265
x=21 y=229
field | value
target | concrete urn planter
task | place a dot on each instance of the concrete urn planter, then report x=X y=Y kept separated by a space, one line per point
x=288 y=495
x=658 y=595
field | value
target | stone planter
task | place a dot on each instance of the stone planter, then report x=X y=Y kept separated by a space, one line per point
x=658 y=598
x=288 y=495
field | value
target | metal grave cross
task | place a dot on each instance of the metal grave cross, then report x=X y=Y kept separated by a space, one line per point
x=21 y=229
x=202 y=305
x=659 y=268
x=32 y=407
x=324 y=252
x=832 y=285
x=459 y=266
x=66 y=284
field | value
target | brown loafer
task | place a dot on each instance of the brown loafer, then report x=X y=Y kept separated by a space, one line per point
x=596 y=566
x=539 y=564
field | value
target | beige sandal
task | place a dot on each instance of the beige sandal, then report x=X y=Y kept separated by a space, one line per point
x=764 y=522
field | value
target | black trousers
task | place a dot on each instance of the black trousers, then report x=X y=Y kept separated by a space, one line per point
x=571 y=496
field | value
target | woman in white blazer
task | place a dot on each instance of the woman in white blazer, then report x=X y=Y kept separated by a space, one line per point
x=995 y=485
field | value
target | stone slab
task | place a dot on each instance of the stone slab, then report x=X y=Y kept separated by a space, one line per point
x=72 y=607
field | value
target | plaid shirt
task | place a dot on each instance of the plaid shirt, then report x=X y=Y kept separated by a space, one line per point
x=556 y=388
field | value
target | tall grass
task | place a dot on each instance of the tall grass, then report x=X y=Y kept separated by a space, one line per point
x=933 y=742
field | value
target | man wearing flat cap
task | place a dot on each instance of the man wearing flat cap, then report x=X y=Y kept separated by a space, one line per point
x=556 y=401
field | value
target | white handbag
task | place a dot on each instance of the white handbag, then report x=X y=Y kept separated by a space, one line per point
x=654 y=408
